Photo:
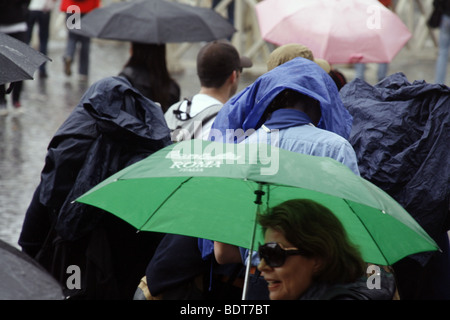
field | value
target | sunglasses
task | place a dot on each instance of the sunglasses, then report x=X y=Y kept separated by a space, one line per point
x=275 y=256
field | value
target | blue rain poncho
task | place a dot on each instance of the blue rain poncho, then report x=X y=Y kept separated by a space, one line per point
x=244 y=111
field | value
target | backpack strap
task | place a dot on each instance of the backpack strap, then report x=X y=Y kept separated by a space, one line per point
x=177 y=112
x=185 y=121
x=213 y=114
x=213 y=110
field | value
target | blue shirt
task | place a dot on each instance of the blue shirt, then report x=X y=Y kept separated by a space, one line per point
x=306 y=139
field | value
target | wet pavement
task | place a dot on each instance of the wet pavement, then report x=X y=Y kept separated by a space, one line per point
x=47 y=102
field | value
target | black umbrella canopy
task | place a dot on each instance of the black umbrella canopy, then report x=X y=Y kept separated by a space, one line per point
x=21 y=278
x=18 y=61
x=155 y=21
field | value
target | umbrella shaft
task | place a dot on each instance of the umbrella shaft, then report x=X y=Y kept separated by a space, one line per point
x=259 y=193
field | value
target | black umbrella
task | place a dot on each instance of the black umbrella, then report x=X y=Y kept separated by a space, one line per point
x=21 y=278
x=18 y=61
x=155 y=21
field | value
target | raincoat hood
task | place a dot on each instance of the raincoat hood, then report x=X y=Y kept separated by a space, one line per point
x=244 y=111
x=400 y=136
x=121 y=110
x=112 y=127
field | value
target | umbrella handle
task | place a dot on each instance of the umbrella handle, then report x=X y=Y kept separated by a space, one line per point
x=259 y=193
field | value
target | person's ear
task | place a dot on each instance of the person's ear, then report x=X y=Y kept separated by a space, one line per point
x=318 y=265
x=234 y=76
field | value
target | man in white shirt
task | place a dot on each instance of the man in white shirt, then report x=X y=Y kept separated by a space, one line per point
x=219 y=67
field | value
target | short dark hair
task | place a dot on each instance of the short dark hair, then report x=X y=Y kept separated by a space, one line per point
x=313 y=228
x=216 y=61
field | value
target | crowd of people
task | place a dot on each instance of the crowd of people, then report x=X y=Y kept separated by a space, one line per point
x=307 y=254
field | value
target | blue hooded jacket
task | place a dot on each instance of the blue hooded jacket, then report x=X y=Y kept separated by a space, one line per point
x=244 y=111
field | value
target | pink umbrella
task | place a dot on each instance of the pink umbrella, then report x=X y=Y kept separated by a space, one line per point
x=339 y=31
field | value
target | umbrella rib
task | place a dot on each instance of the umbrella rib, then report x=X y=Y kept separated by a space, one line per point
x=362 y=222
x=165 y=200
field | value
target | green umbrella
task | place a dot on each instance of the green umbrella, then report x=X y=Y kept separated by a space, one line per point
x=208 y=189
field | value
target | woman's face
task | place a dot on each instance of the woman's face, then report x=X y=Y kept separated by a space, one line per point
x=294 y=277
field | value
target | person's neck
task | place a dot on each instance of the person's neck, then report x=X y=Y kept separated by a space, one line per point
x=218 y=93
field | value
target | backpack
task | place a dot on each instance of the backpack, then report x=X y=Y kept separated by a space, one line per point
x=183 y=126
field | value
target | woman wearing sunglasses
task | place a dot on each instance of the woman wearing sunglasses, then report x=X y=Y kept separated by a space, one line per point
x=307 y=254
